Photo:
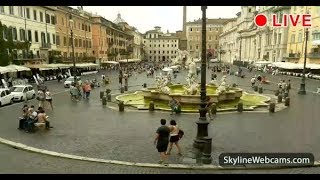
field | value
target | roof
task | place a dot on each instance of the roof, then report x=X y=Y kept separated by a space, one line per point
x=211 y=21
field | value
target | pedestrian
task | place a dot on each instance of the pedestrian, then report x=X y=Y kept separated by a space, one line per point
x=174 y=137
x=289 y=84
x=253 y=81
x=162 y=140
x=49 y=98
x=209 y=109
x=40 y=97
x=87 y=90
x=174 y=105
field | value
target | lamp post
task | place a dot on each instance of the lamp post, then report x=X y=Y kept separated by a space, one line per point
x=302 y=89
x=202 y=131
x=72 y=45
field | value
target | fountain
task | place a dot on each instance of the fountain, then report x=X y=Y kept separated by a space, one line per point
x=225 y=96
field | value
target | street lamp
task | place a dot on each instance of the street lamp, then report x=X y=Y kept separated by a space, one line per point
x=302 y=89
x=72 y=45
x=202 y=131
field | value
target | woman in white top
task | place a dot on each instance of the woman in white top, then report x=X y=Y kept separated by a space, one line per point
x=174 y=137
x=49 y=98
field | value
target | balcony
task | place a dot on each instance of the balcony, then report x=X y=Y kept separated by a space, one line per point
x=45 y=46
x=313 y=55
x=316 y=42
x=293 y=56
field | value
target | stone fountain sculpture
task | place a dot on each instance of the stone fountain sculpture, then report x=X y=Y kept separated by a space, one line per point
x=192 y=87
x=162 y=84
x=223 y=86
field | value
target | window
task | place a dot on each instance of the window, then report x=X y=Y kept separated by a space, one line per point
x=1 y=9
x=197 y=47
x=150 y=45
x=168 y=45
x=162 y=52
x=5 y=33
x=29 y=35
x=155 y=45
x=65 y=41
x=82 y=26
x=28 y=13
x=36 y=38
x=76 y=42
x=84 y=43
x=175 y=45
x=249 y=10
x=14 y=34
x=300 y=37
x=53 y=39
x=89 y=28
x=210 y=29
x=20 y=11
x=210 y=38
x=159 y=45
x=316 y=36
x=47 y=18
x=275 y=38
x=41 y=16
x=89 y=43
x=58 y=40
x=150 y=52
x=48 y=38
x=80 y=43
x=34 y=15
x=163 y=45
x=11 y=10
x=22 y=35
x=191 y=47
x=190 y=29
x=85 y=27
x=279 y=39
x=53 y=20
x=171 y=52
x=168 y=52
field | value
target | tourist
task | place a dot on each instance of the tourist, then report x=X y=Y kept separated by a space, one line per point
x=73 y=92
x=43 y=118
x=24 y=118
x=289 y=85
x=175 y=106
x=40 y=97
x=49 y=98
x=31 y=119
x=87 y=90
x=253 y=81
x=161 y=140
x=209 y=109
x=174 y=137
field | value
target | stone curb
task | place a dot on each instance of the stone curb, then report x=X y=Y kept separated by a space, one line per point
x=146 y=165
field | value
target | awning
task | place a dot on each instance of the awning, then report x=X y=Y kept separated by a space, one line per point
x=166 y=69
x=18 y=68
x=129 y=60
x=4 y=70
x=110 y=62
x=82 y=65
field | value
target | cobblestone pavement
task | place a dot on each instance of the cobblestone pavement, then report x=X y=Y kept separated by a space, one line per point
x=86 y=128
x=42 y=164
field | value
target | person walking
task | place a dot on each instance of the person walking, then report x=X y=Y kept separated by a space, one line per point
x=87 y=90
x=174 y=137
x=161 y=140
x=49 y=98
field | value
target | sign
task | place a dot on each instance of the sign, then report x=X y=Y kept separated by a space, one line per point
x=285 y=20
x=4 y=83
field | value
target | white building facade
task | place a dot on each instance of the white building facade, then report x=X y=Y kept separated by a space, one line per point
x=159 y=46
x=228 y=42
x=35 y=24
x=137 y=45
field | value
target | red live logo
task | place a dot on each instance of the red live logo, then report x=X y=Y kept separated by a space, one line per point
x=287 y=19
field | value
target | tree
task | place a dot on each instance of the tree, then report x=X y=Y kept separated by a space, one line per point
x=4 y=57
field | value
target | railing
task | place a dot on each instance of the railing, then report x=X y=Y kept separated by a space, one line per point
x=313 y=55
x=45 y=45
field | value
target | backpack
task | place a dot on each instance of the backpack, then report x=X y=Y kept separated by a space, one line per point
x=180 y=133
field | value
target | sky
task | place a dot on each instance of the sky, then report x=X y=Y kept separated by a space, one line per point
x=145 y=18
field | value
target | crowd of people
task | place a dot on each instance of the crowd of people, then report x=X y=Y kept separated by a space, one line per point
x=32 y=118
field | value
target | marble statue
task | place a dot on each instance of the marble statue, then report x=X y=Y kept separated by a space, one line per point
x=223 y=86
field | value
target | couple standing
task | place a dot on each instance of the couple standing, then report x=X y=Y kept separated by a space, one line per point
x=166 y=134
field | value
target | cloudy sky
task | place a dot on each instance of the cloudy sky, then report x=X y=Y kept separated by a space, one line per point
x=144 y=18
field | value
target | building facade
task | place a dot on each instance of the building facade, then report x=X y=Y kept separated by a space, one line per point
x=296 y=37
x=160 y=46
x=110 y=41
x=79 y=22
x=228 y=41
x=193 y=33
x=33 y=24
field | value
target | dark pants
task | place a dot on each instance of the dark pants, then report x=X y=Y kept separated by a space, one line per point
x=30 y=124
x=87 y=94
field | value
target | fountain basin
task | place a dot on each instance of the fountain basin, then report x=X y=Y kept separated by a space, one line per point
x=178 y=92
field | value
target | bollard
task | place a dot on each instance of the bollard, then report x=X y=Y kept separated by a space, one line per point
x=125 y=87
x=101 y=94
x=255 y=88
x=121 y=106
x=287 y=101
x=151 y=106
x=109 y=97
x=144 y=85
x=122 y=89
x=240 y=107
x=279 y=98
x=214 y=109
x=272 y=107
x=277 y=92
x=260 y=90
x=207 y=150
x=104 y=101
x=108 y=91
